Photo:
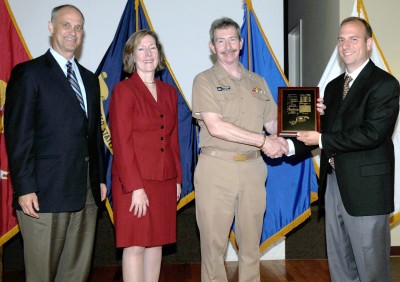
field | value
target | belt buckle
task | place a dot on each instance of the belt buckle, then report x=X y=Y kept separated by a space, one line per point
x=240 y=157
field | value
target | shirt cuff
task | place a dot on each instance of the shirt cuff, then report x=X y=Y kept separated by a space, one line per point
x=320 y=141
x=292 y=149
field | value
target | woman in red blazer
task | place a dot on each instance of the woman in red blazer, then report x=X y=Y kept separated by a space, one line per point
x=146 y=171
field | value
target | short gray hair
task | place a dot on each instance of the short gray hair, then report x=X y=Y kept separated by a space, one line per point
x=55 y=11
x=223 y=23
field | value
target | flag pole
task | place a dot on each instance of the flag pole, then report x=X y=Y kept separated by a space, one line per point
x=249 y=6
x=361 y=7
x=191 y=195
x=137 y=13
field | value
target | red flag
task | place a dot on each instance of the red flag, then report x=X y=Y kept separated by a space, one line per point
x=12 y=51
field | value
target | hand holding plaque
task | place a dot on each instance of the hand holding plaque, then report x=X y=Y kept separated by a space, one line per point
x=297 y=110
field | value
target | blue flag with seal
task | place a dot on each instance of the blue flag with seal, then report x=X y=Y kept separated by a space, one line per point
x=110 y=71
x=290 y=181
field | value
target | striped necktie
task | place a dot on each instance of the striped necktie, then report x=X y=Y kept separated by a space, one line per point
x=75 y=85
x=346 y=86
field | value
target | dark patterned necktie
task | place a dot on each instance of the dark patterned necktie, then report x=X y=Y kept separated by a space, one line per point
x=346 y=88
x=346 y=85
x=75 y=85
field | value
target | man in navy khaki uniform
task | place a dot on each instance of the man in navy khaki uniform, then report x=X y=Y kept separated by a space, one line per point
x=232 y=106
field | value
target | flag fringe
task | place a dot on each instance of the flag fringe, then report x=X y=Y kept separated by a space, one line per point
x=188 y=198
x=13 y=231
x=307 y=213
x=184 y=201
x=285 y=230
x=274 y=238
x=395 y=220
x=314 y=197
x=168 y=66
x=361 y=4
x=110 y=211
x=7 y=236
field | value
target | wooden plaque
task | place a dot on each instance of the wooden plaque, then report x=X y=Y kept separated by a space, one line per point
x=297 y=110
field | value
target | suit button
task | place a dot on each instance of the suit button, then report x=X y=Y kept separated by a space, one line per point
x=161 y=115
x=162 y=149
x=162 y=138
x=162 y=126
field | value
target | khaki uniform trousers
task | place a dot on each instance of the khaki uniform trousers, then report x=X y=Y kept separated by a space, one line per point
x=227 y=189
x=58 y=246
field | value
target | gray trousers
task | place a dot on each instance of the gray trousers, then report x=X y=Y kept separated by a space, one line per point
x=58 y=246
x=358 y=246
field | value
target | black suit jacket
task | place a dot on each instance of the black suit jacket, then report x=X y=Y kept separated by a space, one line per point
x=49 y=139
x=357 y=132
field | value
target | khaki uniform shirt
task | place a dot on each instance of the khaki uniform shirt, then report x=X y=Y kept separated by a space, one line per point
x=246 y=102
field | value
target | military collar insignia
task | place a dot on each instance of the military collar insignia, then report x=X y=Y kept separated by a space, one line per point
x=223 y=88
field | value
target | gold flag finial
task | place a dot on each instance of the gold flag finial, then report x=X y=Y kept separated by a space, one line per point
x=249 y=4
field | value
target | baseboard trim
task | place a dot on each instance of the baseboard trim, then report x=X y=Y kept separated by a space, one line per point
x=395 y=251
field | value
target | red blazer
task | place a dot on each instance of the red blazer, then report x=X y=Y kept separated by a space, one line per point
x=144 y=133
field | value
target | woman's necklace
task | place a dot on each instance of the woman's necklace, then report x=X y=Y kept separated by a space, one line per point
x=151 y=82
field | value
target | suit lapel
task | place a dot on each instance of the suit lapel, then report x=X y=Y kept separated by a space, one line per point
x=333 y=101
x=90 y=99
x=146 y=94
x=357 y=86
x=59 y=76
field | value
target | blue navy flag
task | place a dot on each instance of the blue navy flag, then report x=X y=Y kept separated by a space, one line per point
x=289 y=182
x=110 y=72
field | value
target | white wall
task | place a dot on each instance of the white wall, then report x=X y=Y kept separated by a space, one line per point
x=182 y=25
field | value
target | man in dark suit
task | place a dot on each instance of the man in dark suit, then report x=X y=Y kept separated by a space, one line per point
x=54 y=144
x=357 y=160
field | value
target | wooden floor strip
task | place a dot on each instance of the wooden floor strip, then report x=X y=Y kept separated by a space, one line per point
x=271 y=271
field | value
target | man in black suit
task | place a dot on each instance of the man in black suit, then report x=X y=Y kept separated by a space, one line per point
x=54 y=144
x=357 y=160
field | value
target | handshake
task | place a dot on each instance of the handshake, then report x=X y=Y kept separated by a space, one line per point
x=274 y=146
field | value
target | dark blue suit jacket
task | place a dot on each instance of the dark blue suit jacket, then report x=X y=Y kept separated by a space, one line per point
x=49 y=139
